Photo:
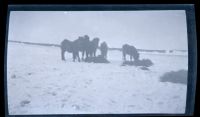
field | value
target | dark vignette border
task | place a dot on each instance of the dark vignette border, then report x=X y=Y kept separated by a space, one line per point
x=192 y=47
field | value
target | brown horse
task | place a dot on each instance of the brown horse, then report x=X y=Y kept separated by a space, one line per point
x=71 y=47
x=131 y=51
x=92 y=47
x=83 y=44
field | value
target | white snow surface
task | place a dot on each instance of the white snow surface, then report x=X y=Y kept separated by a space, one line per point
x=39 y=82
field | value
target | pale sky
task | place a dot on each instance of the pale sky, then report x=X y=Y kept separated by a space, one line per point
x=164 y=29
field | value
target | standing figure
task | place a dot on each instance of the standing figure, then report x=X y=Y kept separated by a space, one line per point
x=104 y=49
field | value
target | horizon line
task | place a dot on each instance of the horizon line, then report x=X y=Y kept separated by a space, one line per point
x=111 y=48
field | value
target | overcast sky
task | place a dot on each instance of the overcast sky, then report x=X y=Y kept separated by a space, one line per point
x=164 y=29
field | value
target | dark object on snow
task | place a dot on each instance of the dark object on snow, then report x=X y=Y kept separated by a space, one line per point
x=13 y=76
x=144 y=68
x=143 y=62
x=170 y=51
x=175 y=77
x=130 y=50
x=29 y=74
x=25 y=102
x=98 y=59
x=104 y=49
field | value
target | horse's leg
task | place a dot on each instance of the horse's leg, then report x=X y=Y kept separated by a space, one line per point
x=83 y=53
x=87 y=54
x=102 y=52
x=91 y=54
x=124 y=56
x=62 y=54
x=94 y=53
x=137 y=57
x=106 y=54
x=78 y=57
x=134 y=57
x=131 y=57
x=74 y=57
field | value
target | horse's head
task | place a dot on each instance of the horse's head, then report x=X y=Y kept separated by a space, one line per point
x=103 y=44
x=65 y=42
x=66 y=45
x=125 y=47
x=86 y=37
x=96 y=40
x=80 y=37
x=134 y=52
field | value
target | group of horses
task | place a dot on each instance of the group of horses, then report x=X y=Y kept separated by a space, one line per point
x=84 y=45
x=89 y=47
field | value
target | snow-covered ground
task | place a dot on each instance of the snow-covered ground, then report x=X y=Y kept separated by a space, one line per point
x=40 y=83
x=174 y=53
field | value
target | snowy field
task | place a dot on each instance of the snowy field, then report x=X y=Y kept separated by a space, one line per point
x=40 y=83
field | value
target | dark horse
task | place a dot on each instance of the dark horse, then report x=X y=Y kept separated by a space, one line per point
x=104 y=49
x=71 y=47
x=92 y=47
x=130 y=50
x=83 y=45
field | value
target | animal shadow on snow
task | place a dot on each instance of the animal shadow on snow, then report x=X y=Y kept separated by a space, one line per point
x=24 y=103
x=144 y=63
x=13 y=76
x=98 y=59
x=175 y=77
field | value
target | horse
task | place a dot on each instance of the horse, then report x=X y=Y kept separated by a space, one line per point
x=92 y=47
x=83 y=44
x=130 y=50
x=104 y=49
x=71 y=47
